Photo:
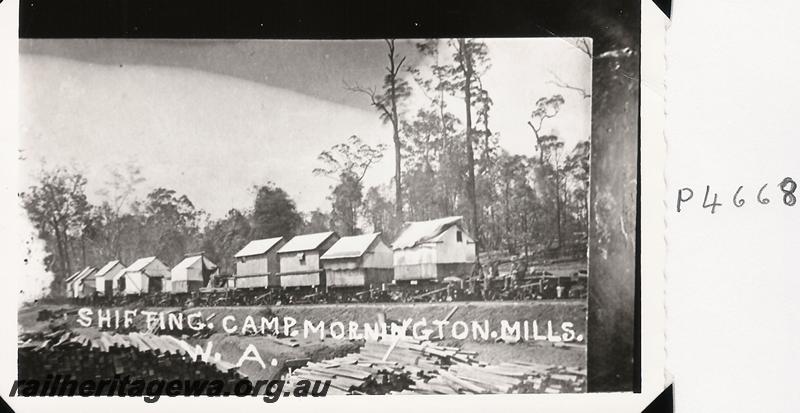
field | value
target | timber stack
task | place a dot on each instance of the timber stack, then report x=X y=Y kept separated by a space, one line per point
x=403 y=365
x=140 y=356
x=355 y=374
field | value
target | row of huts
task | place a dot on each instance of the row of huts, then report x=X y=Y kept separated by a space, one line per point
x=144 y=275
x=424 y=250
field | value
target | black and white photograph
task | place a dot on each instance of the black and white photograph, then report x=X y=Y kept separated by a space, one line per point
x=359 y=206
x=311 y=217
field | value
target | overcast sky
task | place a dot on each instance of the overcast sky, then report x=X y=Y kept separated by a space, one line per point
x=211 y=119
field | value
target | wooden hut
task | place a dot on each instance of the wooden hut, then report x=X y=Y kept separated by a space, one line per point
x=104 y=277
x=81 y=284
x=358 y=261
x=191 y=274
x=257 y=264
x=145 y=275
x=300 y=259
x=69 y=280
x=118 y=282
x=433 y=250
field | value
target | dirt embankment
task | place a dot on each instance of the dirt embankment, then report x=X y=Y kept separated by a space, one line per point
x=231 y=347
x=488 y=350
x=557 y=312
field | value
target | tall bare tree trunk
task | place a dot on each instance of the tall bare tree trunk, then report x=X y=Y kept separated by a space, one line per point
x=525 y=235
x=443 y=155
x=63 y=249
x=398 y=189
x=83 y=250
x=62 y=266
x=468 y=72
x=560 y=203
x=558 y=211
x=512 y=244
x=388 y=112
x=67 y=249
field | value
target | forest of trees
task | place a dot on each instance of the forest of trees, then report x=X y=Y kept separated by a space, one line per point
x=447 y=162
x=165 y=224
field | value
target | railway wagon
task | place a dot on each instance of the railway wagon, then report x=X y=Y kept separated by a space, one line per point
x=430 y=251
x=356 y=263
x=300 y=261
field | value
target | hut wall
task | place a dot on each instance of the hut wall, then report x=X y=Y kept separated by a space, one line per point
x=157 y=269
x=193 y=272
x=291 y=261
x=255 y=265
x=186 y=286
x=102 y=283
x=353 y=277
x=309 y=279
x=136 y=282
x=180 y=274
x=458 y=269
x=88 y=288
x=118 y=284
x=421 y=254
x=251 y=281
x=342 y=264
x=450 y=250
x=257 y=281
x=258 y=271
x=82 y=288
x=355 y=272
x=425 y=271
x=108 y=288
x=380 y=256
x=378 y=276
x=418 y=263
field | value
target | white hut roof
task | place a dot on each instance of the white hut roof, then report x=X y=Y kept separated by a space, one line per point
x=351 y=247
x=306 y=242
x=258 y=247
x=189 y=261
x=115 y=274
x=74 y=275
x=119 y=274
x=84 y=274
x=139 y=264
x=106 y=268
x=416 y=233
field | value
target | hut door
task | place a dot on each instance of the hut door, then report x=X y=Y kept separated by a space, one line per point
x=205 y=272
x=156 y=285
